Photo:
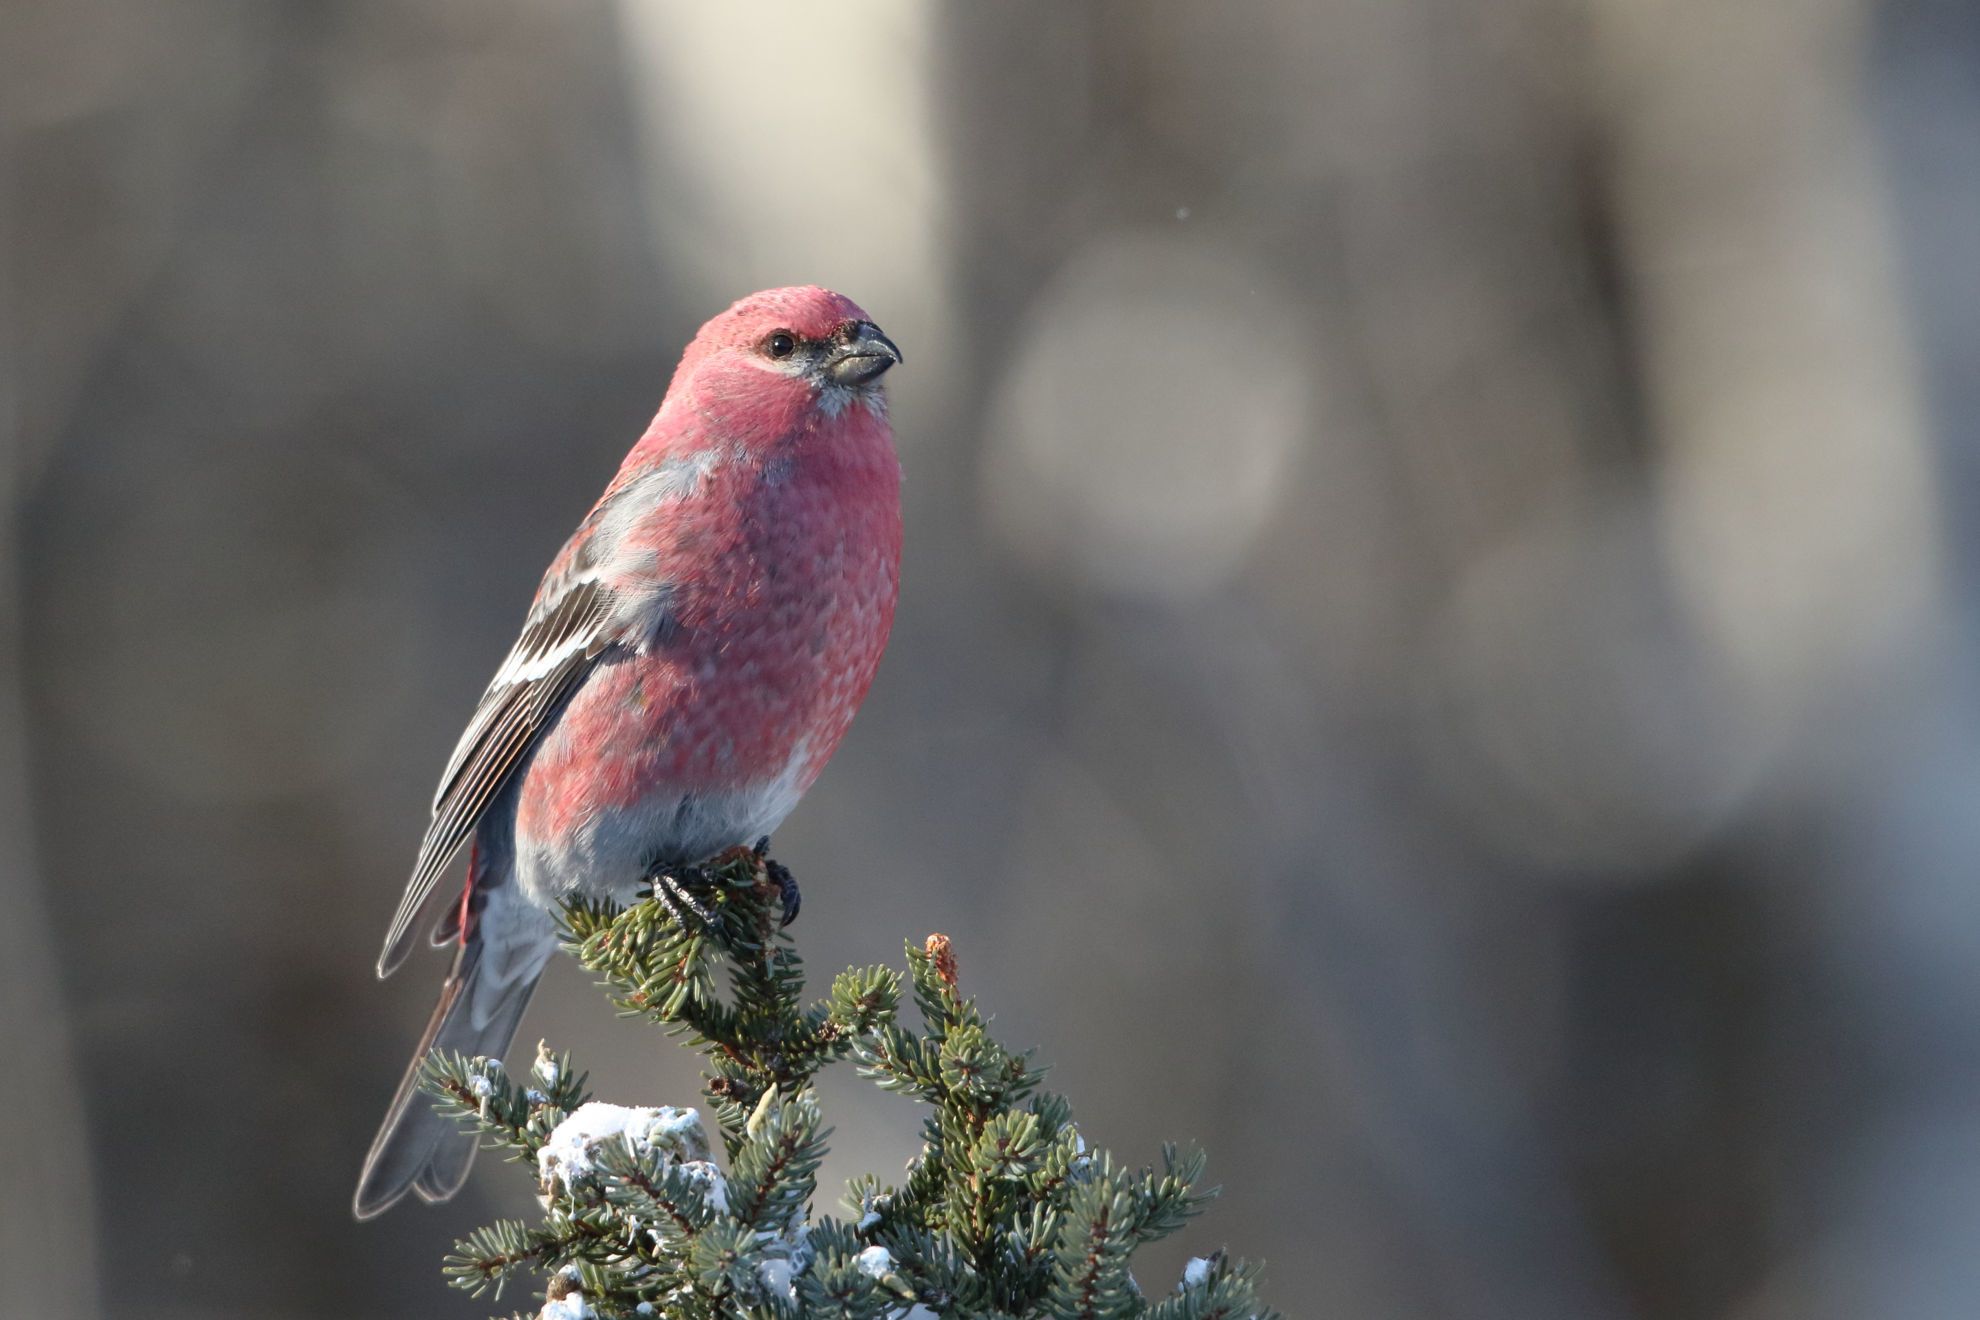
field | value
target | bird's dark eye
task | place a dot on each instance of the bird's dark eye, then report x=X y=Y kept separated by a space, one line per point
x=780 y=344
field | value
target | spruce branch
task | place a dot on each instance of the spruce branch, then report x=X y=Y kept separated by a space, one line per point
x=1212 y=1289
x=773 y=1174
x=1004 y=1214
x=511 y=1117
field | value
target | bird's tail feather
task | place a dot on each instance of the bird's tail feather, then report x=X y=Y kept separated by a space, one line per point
x=418 y=1149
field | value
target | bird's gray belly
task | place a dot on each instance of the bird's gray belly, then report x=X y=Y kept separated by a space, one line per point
x=613 y=850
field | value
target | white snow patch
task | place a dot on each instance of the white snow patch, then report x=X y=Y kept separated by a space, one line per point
x=571 y=1306
x=1196 y=1272
x=876 y=1262
x=788 y=1254
x=676 y=1134
x=714 y=1187
x=776 y=1276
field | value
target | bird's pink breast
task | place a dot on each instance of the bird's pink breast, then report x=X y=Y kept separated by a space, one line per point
x=782 y=575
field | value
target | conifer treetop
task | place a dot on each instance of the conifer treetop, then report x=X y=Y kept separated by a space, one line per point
x=1006 y=1214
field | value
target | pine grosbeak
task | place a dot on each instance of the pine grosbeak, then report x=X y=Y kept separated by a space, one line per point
x=691 y=661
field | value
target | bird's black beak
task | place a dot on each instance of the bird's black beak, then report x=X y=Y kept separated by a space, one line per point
x=862 y=356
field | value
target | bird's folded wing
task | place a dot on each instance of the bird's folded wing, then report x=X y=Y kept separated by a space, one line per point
x=568 y=628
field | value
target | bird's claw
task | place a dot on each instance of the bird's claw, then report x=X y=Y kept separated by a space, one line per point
x=787 y=889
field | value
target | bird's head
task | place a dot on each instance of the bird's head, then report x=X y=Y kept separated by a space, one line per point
x=806 y=335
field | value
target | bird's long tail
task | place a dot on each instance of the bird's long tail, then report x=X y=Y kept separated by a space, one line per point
x=418 y=1149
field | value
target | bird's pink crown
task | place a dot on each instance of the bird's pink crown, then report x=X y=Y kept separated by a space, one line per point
x=804 y=309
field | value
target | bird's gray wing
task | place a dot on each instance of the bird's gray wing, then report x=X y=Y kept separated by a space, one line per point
x=569 y=627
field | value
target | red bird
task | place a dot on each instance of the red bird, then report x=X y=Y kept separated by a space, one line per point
x=690 y=663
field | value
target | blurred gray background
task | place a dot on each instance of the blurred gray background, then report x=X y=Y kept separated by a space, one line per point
x=1435 y=656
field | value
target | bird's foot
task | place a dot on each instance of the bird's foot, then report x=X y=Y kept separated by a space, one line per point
x=671 y=886
x=686 y=889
